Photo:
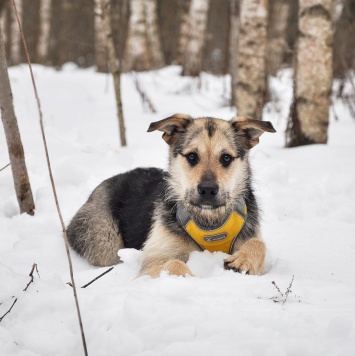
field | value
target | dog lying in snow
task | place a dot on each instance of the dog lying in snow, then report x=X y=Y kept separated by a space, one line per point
x=204 y=201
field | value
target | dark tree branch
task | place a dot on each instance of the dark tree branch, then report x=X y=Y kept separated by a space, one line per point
x=34 y=267
x=8 y=312
x=95 y=279
x=5 y=167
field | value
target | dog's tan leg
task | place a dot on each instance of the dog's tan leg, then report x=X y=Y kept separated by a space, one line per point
x=175 y=267
x=250 y=257
x=165 y=251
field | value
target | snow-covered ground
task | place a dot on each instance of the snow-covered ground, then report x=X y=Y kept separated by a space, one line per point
x=308 y=200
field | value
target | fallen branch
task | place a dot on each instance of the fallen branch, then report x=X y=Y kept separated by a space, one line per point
x=31 y=275
x=4 y=167
x=34 y=267
x=8 y=312
x=95 y=279
x=51 y=179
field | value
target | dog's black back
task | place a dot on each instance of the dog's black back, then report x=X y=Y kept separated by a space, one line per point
x=131 y=200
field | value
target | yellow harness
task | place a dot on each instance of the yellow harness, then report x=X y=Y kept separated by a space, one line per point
x=216 y=238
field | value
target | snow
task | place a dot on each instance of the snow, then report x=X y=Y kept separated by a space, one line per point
x=308 y=200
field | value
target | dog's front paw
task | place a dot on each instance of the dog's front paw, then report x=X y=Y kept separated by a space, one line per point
x=249 y=259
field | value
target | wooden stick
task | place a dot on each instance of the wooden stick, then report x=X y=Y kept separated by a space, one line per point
x=2 y=317
x=34 y=267
x=52 y=181
x=4 y=167
x=31 y=275
x=95 y=279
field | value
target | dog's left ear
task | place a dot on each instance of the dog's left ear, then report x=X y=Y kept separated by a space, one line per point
x=249 y=130
x=171 y=126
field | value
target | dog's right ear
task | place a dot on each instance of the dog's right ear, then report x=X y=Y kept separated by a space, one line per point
x=171 y=126
x=249 y=130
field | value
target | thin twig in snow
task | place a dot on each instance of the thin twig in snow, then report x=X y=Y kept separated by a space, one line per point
x=4 y=167
x=51 y=178
x=95 y=279
x=277 y=287
x=34 y=267
x=31 y=275
x=2 y=317
x=283 y=299
x=102 y=274
x=288 y=290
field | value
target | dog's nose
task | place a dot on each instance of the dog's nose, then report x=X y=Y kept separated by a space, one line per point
x=208 y=190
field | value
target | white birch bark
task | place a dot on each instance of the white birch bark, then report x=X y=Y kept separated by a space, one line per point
x=45 y=25
x=156 y=55
x=114 y=68
x=136 y=55
x=251 y=81
x=101 y=59
x=338 y=9
x=15 y=55
x=192 y=64
x=184 y=31
x=313 y=74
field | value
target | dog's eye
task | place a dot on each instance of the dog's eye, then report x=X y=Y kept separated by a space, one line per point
x=192 y=158
x=226 y=160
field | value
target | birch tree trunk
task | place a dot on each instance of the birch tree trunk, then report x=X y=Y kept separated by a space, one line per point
x=337 y=10
x=13 y=139
x=251 y=81
x=156 y=55
x=313 y=74
x=184 y=30
x=4 y=23
x=45 y=26
x=192 y=64
x=233 y=47
x=6 y=28
x=119 y=24
x=114 y=68
x=100 y=40
x=136 y=54
x=277 y=43
x=15 y=34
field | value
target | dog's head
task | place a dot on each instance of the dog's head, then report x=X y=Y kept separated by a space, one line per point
x=209 y=166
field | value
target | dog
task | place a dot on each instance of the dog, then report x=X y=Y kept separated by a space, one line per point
x=204 y=201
